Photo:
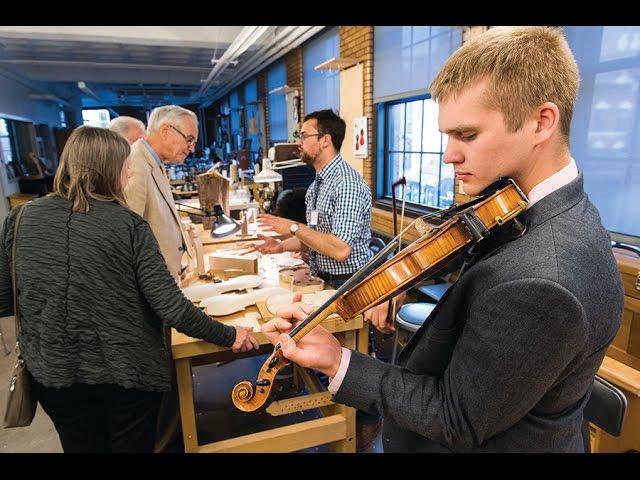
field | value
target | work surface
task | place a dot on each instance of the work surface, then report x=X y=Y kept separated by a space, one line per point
x=336 y=423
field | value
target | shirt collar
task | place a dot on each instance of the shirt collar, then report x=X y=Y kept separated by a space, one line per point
x=153 y=153
x=553 y=183
x=328 y=169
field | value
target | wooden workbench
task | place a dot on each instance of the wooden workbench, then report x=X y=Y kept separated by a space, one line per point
x=336 y=427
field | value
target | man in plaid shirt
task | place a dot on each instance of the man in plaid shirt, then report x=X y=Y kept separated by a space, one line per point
x=338 y=229
x=338 y=206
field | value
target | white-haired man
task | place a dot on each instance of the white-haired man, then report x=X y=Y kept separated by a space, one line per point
x=130 y=128
x=171 y=135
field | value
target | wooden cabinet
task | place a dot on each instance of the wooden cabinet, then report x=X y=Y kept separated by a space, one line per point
x=621 y=366
x=626 y=345
x=20 y=198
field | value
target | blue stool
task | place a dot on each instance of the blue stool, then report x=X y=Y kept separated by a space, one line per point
x=434 y=290
x=408 y=321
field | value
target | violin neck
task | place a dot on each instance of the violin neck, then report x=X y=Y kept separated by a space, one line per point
x=306 y=326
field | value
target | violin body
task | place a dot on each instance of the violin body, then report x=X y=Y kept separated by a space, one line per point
x=426 y=256
x=422 y=258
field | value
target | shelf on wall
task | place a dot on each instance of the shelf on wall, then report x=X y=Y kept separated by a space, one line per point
x=336 y=63
x=283 y=90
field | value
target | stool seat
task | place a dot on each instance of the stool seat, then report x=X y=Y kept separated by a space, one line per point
x=435 y=290
x=408 y=320
x=412 y=315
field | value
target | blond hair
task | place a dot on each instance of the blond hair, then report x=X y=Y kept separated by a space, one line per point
x=525 y=67
x=90 y=167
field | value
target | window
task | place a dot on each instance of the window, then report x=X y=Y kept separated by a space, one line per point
x=7 y=145
x=96 y=118
x=605 y=128
x=277 y=77
x=406 y=59
x=414 y=148
x=63 y=118
x=252 y=118
x=236 y=116
x=321 y=88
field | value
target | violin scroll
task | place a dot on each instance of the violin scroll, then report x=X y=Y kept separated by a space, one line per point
x=248 y=398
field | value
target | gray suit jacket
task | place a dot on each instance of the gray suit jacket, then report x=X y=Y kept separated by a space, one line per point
x=506 y=361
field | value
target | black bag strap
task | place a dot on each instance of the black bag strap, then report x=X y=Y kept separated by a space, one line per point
x=14 y=282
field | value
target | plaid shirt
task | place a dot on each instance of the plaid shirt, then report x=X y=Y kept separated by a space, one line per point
x=343 y=202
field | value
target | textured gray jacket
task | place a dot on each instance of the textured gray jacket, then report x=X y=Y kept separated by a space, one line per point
x=94 y=293
x=506 y=361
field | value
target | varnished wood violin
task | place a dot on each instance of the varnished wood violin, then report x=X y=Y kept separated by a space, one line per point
x=380 y=280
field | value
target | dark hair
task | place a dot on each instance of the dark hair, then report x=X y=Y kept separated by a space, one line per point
x=329 y=122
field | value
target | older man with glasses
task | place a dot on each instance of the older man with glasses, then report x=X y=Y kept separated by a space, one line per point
x=171 y=136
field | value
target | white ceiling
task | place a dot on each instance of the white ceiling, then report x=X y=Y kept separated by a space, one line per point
x=144 y=66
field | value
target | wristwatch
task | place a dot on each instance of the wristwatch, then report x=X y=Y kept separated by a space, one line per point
x=294 y=228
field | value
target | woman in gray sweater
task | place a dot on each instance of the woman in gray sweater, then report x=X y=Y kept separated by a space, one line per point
x=94 y=293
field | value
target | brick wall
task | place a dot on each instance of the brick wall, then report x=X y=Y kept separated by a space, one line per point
x=357 y=43
x=295 y=76
x=263 y=97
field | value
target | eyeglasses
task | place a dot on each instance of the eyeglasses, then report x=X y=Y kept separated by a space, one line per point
x=190 y=140
x=303 y=136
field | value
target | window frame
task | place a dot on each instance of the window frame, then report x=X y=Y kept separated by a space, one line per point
x=383 y=200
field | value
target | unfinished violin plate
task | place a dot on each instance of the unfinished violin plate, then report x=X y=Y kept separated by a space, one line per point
x=197 y=293
x=229 y=303
x=288 y=261
x=278 y=302
x=300 y=280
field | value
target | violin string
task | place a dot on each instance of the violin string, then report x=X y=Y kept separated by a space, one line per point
x=363 y=270
x=404 y=197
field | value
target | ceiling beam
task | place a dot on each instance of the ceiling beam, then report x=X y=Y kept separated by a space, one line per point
x=171 y=36
x=134 y=66
x=245 y=39
x=260 y=61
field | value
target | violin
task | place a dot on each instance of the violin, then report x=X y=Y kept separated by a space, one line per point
x=381 y=279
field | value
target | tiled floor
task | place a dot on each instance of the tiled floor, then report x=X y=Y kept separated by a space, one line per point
x=216 y=417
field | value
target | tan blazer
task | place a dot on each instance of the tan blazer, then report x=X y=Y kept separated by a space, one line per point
x=148 y=193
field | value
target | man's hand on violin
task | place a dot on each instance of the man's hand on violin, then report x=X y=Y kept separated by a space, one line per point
x=275 y=223
x=318 y=349
x=378 y=317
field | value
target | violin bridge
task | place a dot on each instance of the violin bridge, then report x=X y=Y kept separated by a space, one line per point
x=423 y=227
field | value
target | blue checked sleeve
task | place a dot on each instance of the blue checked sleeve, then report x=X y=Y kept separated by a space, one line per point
x=352 y=211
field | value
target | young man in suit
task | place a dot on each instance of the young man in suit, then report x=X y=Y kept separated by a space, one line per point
x=506 y=361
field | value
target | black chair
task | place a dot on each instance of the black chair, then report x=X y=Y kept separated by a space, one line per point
x=606 y=409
